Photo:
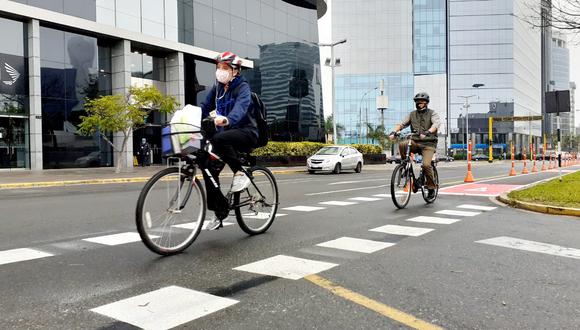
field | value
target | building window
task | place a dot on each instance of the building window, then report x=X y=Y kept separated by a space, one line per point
x=146 y=66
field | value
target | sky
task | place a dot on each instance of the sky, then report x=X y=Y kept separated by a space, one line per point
x=324 y=27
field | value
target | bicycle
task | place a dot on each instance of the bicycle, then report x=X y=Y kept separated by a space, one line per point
x=172 y=205
x=404 y=182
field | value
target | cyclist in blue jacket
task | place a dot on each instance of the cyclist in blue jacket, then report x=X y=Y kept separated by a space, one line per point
x=229 y=102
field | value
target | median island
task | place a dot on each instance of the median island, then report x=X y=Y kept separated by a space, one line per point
x=553 y=193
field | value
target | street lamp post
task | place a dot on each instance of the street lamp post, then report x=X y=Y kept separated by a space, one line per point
x=360 y=113
x=466 y=105
x=332 y=63
x=490 y=137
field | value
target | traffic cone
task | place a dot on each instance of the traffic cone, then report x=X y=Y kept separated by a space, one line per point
x=408 y=185
x=543 y=164
x=534 y=168
x=525 y=170
x=469 y=176
x=513 y=170
x=135 y=162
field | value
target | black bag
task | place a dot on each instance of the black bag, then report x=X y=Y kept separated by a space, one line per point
x=260 y=114
x=262 y=123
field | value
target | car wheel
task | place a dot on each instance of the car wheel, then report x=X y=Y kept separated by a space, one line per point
x=358 y=168
x=337 y=168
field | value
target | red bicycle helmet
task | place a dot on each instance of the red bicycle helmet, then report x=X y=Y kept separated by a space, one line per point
x=229 y=58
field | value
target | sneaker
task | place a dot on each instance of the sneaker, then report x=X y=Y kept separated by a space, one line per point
x=431 y=194
x=240 y=182
x=214 y=223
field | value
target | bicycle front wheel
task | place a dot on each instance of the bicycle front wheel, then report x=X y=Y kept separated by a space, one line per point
x=401 y=185
x=256 y=206
x=170 y=211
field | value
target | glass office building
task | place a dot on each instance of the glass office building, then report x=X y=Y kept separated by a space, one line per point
x=561 y=81
x=401 y=43
x=490 y=46
x=60 y=52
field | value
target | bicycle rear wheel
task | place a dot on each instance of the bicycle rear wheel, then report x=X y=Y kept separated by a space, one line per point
x=401 y=185
x=170 y=211
x=256 y=206
x=424 y=189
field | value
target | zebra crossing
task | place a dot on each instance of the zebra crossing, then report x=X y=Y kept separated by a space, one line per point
x=171 y=306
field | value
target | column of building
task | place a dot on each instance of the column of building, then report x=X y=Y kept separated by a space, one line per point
x=121 y=83
x=35 y=112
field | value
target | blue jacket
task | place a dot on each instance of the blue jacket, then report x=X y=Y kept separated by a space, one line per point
x=238 y=110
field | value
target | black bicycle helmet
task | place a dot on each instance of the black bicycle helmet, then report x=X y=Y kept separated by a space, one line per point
x=421 y=96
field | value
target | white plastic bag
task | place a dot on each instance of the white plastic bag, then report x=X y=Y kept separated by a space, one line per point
x=187 y=119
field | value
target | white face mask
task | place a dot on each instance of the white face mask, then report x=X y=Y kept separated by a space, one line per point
x=223 y=76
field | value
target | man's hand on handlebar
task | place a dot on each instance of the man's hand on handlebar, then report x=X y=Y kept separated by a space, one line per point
x=392 y=135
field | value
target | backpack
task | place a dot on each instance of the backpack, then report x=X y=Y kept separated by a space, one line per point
x=260 y=115
x=261 y=122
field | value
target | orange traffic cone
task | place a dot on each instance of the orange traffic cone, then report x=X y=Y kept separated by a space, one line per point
x=534 y=168
x=513 y=170
x=543 y=164
x=469 y=176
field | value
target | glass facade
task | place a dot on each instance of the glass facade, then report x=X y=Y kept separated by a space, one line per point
x=561 y=79
x=379 y=47
x=278 y=36
x=14 y=101
x=71 y=70
x=429 y=36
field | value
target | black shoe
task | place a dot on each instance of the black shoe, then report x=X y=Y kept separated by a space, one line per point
x=431 y=194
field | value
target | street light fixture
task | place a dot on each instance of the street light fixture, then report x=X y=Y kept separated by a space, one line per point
x=466 y=106
x=332 y=63
x=360 y=113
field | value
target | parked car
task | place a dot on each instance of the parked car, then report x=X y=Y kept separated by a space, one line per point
x=479 y=157
x=443 y=158
x=394 y=160
x=335 y=159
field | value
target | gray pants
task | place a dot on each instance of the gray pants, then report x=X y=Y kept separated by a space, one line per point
x=427 y=152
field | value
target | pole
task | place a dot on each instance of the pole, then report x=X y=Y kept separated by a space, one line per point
x=334 y=119
x=559 y=147
x=490 y=139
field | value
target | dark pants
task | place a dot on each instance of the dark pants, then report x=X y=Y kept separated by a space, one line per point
x=427 y=152
x=225 y=144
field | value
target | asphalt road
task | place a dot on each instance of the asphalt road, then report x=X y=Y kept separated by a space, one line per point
x=444 y=277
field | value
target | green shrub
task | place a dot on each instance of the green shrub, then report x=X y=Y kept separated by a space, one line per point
x=459 y=157
x=276 y=149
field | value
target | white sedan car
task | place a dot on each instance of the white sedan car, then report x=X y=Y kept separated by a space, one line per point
x=335 y=159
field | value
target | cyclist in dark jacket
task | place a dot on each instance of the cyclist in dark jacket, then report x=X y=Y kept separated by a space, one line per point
x=229 y=102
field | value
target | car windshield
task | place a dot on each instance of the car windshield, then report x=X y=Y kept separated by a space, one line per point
x=329 y=151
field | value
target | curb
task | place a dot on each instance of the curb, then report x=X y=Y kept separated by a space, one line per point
x=540 y=208
x=66 y=183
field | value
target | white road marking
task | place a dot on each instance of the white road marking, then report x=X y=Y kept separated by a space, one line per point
x=116 y=239
x=365 y=199
x=303 y=208
x=224 y=223
x=286 y=267
x=402 y=230
x=280 y=215
x=458 y=213
x=382 y=195
x=338 y=191
x=442 y=221
x=337 y=203
x=17 y=255
x=188 y=225
x=521 y=244
x=356 y=245
x=348 y=182
x=164 y=308
x=477 y=207
x=260 y=215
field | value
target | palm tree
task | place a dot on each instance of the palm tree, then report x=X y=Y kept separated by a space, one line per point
x=328 y=123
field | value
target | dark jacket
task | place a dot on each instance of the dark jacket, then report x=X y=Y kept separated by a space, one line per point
x=235 y=104
x=420 y=122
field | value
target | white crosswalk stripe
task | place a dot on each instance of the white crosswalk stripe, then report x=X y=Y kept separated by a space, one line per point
x=303 y=208
x=286 y=267
x=531 y=246
x=382 y=195
x=164 y=308
x=458 y=213
x=356 y=245
x=116 y=239
x=337 y=203
x=365 y=199
x=442 y=221
x=17 y=255
x=402 y=230
x=477 y=207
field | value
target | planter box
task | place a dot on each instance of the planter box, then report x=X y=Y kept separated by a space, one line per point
x=301 y=160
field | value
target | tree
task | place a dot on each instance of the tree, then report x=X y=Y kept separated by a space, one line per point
x=118 y=113
x=558 y=14
x=328 y=123
x=377 y=133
